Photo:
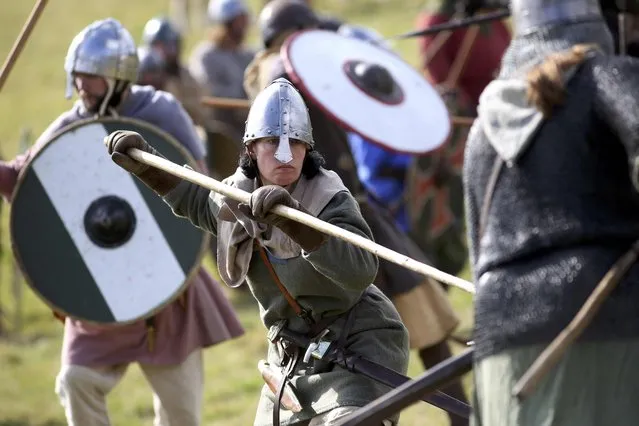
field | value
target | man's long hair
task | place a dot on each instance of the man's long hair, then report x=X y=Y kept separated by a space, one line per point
x=545 y=82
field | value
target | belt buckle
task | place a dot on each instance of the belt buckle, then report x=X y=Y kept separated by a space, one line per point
x=275 y=330
x=318 y=347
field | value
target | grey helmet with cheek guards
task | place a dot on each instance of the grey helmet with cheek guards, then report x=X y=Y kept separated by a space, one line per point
x=104 y=48
x=279 y=111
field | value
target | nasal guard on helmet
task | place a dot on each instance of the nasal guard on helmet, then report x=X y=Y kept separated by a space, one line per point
x=279 y=111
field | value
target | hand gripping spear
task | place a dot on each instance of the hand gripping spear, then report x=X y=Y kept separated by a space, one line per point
x=306 y=219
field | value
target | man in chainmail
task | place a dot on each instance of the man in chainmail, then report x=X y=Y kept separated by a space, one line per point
x=551 y=180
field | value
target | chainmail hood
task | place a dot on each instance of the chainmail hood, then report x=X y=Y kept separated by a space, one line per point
x=537 y=35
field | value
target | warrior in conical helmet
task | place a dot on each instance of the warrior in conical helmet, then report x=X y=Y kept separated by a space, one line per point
x=102 y=66
x=551 y=187
x=304 y=281
x=421 y=302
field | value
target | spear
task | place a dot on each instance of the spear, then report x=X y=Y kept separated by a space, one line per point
x=298 y=216
x=455 y=25
x=21 y=41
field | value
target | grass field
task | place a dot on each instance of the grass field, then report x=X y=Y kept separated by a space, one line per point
x=32 y=97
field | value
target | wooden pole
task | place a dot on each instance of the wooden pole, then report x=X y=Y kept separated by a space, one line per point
x=306 y=219
x=3 y=328
x=232 y=103
x=558 y=347
x=462 y=121
x=21 y=41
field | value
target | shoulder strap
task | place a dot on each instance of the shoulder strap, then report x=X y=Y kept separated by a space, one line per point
x=315 y=327
x=488 y=195
x=299 y=310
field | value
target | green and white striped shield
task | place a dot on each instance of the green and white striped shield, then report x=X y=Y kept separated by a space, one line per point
x=91 y=239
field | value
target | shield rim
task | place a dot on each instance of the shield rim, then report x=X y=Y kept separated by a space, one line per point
x=299 y=83
x=80 y=123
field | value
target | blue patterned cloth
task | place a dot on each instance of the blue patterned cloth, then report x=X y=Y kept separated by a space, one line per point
x=382 y=172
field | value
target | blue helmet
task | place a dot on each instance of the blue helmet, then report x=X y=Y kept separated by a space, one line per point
x=104 y=48
x=223 y=11
x=160 y=29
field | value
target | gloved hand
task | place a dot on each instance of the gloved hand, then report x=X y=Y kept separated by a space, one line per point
x=120 y=141
x=265 y=198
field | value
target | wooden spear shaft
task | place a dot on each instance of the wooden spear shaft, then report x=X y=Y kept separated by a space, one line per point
x=21 y=41
x=462 y=121
x=298 y=216
x=552 y=354
x=232 y=103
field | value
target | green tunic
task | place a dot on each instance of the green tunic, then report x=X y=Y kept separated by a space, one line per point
x=328 y=281
x=594 y=384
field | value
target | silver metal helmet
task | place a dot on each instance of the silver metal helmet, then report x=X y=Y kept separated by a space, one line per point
x=103 y=48
x=530 y=15
x=279 y=111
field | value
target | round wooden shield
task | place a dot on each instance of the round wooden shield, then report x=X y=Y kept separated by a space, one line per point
x=405 y=114
x=91 y=239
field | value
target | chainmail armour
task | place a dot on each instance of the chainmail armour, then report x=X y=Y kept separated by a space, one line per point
x=566 y=210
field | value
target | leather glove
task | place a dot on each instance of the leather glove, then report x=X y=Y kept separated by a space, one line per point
x=120 y=141
x=265 y=198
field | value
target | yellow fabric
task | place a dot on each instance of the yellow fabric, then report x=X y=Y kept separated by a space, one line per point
x=427 y=314
x=258 y=72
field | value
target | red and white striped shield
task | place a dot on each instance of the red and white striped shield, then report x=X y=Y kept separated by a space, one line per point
x=92 y=240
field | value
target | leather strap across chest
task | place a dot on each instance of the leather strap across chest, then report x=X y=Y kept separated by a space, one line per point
x=299 y=310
